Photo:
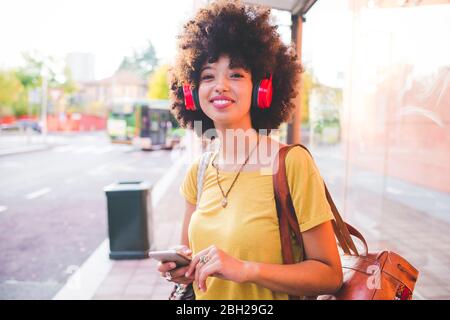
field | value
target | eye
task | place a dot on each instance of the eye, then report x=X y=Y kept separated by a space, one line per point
x=237 y=75
x=206 y=77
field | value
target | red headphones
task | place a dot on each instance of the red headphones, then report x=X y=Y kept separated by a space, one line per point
x=261 y=95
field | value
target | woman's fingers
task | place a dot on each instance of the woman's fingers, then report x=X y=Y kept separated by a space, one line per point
x=186 y=251
x=201 y=265
x=207 y=270
x=196 y=271
x=171 y=272
x=183 y=249
x=178 y=273
x=192 y=266
x=195 y=261
x=175 y=275
x=166 y=266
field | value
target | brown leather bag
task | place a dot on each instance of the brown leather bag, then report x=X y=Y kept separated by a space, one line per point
x=381 y=275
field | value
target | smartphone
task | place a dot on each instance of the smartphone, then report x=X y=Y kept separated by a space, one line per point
x=170 y=256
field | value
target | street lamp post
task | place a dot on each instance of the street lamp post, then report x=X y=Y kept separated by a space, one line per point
x=44 y=106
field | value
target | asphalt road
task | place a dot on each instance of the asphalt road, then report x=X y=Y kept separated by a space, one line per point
x=53 y=208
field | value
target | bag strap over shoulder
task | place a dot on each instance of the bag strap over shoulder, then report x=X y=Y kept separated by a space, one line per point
x=288 y=218
x=202 y=166
x=287 y=221
x=186 y=291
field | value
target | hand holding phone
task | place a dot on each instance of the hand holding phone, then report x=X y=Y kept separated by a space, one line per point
x=171 y=255
x=174 y=264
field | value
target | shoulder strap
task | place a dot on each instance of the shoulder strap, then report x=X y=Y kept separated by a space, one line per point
x=202 y=166
x=288 y=218
x=285 y=207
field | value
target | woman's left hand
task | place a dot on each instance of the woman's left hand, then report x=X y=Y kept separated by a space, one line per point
x=215 y=262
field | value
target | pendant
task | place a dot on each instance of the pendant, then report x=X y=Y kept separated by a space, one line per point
x=224 y=202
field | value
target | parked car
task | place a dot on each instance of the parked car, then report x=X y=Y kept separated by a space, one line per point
x=29 y=123
x=9 y=127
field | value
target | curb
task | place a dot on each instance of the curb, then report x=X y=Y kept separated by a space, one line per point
x=26 y=149
x=85 y=281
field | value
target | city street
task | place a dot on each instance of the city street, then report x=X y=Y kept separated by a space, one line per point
x=53 y=208
x=369 y=100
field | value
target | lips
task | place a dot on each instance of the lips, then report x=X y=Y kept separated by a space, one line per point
x=221 y=102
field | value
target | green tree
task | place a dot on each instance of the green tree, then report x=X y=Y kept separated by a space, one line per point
x=35 y=64
x=13 y=98
x=68 y=85
x=142 y=62
x=30 y=75
x=158 y=86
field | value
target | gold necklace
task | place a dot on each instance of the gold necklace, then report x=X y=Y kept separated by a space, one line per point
x=225 y=195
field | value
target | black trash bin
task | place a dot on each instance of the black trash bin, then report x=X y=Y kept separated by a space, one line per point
x=129 y=219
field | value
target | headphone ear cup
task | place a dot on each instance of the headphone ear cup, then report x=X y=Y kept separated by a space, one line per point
x=188 y=97
x=265 y=93
x=196 y=98
x=255 y=91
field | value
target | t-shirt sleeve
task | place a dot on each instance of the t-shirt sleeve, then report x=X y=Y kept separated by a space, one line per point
x=307 y=189
x=188 y=187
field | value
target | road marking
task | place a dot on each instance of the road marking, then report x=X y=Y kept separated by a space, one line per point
x=103 y=150
x=161 y=186
x=99 y=171
x=80 y=149
x=126 y=168
x=85 y=280
x=3 y=208
x=37 y=193
x=126 y=149
x=85 y=149
x=63 y=149
x=394 y=190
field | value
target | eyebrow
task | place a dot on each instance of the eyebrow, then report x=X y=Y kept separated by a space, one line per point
x=210 y=67
x=205 y=68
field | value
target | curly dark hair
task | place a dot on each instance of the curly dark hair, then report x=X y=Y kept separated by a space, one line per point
x=244 y=33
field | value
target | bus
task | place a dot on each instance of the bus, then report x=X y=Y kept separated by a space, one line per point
x=147 y=124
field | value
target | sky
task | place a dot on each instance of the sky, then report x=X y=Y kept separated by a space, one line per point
x=110 y=29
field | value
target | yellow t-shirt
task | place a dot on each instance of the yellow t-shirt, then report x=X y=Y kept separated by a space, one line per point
x=248 y=228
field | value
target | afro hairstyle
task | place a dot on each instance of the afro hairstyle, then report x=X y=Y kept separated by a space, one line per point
x=245 y=34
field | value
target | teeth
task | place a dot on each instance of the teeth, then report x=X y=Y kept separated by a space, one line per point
x=222 y=101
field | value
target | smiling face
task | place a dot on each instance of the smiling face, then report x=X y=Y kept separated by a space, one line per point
x=225 y=93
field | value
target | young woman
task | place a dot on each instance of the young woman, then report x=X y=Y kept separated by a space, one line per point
x=226 y=53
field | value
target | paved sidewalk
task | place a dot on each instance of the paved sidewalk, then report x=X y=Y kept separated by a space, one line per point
x=21 y=143
x=138 y=279
x=396 y=215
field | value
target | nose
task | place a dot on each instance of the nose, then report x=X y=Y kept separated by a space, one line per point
x=222 y=84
